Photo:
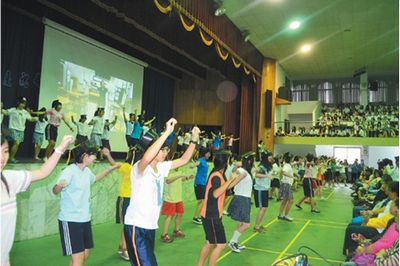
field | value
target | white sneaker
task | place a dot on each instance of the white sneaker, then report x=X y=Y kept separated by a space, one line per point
x=234 y=247
x=124 y=255
x=288 y=218
x=225 y=212
x=241 y=247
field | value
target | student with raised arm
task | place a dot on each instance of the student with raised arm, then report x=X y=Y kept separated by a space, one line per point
x=14 y=182
x=82 y=129
x=213 y=208
x=147 y=181
x=129 y=125
x=18 y=116
x=55 y=118
x=74 y=184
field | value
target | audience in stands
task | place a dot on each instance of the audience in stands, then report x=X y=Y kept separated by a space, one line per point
x=345 y=120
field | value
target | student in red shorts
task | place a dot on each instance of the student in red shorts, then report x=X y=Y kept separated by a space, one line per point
x=173 y=206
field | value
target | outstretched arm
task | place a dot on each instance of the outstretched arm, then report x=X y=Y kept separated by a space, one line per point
x=187 y=155
x=46 y=168
x=123 y=114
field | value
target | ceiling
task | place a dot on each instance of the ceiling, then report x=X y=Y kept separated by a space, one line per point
x=346 y=35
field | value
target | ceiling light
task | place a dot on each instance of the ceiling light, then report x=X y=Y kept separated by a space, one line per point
x=294 y=25
x=219 y=11
x=246 y=35
x=305 y=48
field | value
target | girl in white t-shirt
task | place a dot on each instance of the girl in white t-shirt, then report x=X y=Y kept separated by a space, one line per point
x=83 y=129
x=239 y=209
x=98 y=127
x=14 y=182
x=38 y=134
x=17 y=119
x=285 y=191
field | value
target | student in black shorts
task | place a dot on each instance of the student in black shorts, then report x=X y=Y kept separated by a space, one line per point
x=213 y=208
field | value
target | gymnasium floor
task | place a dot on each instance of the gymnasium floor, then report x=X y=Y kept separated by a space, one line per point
x=322 y=232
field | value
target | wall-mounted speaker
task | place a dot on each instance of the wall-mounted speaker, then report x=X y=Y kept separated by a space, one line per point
x=268 y=109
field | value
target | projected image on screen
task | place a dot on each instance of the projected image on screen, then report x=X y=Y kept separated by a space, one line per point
x=85 y=75
x=85 y=91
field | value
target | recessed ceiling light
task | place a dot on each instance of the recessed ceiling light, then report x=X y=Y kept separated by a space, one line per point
x=294 y=25
x=305 y=48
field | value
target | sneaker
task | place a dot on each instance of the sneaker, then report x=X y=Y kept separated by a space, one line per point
x=124 y=255
x=166 y=239
x=178 y=233
x=225 y=212
x=287 y=218
x=234 y=247
x=281 y=217
x=197 y=220
x=322 y=198
x=240 y=246
x=315 y=211
x=298 y=207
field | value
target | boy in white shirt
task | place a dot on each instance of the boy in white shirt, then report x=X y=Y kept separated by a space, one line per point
x=147 y=180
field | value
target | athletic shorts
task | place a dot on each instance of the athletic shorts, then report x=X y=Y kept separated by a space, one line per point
x=276 y=183
x=307 y=187
x=75 y=237
x=129 y=141
x=51 y=132
x=96 y=139
x=121 y=206
x=200 y=191
x=214 y=230
x=80 y=139
x=261 y=198
x=285 y=191
x=38 y=138
x=16 y=135
x=170 y=208
x=106 y=144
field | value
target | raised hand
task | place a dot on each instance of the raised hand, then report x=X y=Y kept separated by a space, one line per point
x=170 y=125
x=195 y=133
x=66 y=141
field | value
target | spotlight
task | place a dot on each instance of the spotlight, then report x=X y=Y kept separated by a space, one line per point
x=246 y=35
x=219 y=10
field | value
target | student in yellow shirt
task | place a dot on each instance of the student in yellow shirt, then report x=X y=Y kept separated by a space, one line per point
x=173 y=206
x=123 y=197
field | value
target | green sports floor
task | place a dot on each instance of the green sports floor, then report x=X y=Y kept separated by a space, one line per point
x=322 y=232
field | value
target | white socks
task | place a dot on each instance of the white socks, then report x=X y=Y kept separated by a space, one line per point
x=235 y=237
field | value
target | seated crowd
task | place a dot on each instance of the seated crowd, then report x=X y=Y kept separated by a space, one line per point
x=372 y=237
x=346 y=120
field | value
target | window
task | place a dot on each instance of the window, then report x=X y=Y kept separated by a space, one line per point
x=325 y=92
x=300 y=92
x=350 y=154
x=379 y=95
x=350 y=92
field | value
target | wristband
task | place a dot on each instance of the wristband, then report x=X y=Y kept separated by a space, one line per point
x=58 y=151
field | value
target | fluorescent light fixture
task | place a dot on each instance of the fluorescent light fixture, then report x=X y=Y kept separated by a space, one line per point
x=294 y=25
x=305 y=48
